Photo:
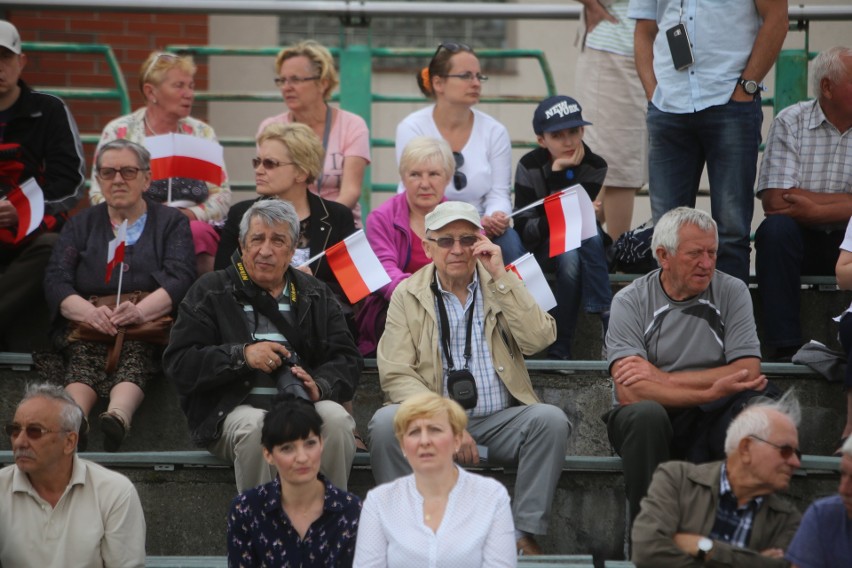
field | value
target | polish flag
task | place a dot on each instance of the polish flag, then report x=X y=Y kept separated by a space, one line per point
x=528 y=270
x=571 y=217
x=182 y=155
x=28 y=201
x=115 y=251
x=356 y=266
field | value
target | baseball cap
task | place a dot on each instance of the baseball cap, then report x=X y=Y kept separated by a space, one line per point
x=449 y=211
x=558 y=113
x=9 y=37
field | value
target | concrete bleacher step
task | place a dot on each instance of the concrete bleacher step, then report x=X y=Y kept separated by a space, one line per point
x=548 y=561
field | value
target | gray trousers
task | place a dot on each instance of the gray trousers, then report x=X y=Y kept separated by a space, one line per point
x=240 y=443
x=533 y=437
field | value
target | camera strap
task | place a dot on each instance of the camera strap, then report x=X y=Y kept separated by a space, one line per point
x=445 y=327
x=264 y=303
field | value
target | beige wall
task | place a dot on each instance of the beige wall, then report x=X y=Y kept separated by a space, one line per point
x=556 y=38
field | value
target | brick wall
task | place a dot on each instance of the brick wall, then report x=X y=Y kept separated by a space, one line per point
x=132 y=37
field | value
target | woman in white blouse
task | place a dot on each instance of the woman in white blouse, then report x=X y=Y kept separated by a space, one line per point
x=441 y=515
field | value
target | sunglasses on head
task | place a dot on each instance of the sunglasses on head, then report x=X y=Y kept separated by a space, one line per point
x=466 y=241
x=161 y=55
x=33 y=432
x=452 y=47
x=786 y=450
x=459 y=179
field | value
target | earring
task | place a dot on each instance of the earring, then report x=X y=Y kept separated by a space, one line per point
x=155 y=101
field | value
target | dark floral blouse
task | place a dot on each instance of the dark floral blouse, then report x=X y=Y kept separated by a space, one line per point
x=260 y=534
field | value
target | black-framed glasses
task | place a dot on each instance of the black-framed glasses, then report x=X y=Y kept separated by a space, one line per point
x=468 y=76
x=459 y=179
x=160 y=55
x=786 y=450
x=127 y=173
x=466 y=241
x=295 y=81
x=268 y=163
x=33 y=432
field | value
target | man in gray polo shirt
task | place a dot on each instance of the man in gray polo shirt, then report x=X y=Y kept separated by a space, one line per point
x=683 y=354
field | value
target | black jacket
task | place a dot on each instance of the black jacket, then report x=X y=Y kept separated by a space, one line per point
x=41 y=141
x=205 y=353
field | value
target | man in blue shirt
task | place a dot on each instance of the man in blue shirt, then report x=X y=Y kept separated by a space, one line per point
x=824 y=538
x=708 y=110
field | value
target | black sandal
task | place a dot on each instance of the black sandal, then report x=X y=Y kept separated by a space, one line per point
x=114 y=429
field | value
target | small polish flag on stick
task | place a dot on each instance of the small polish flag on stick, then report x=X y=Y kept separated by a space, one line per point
x=185 y=156
x=356 y=266
x=115 y=251
x=528 y=270
x=571 y=217
x=28 y=201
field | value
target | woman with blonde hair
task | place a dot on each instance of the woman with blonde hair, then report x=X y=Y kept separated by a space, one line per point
x=306 y=75
x=166 y=80
x=441 y=515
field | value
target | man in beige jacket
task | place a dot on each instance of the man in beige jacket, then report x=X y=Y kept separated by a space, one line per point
x=465 y=312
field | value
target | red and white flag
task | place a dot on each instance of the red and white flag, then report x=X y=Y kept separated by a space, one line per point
x=182 y=155
x=528 y=270
x=28 y=201
x=571 y=217
x=115 y=251
x=356 y=266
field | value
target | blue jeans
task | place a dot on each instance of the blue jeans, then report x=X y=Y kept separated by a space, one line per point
x=580 y=274
x=725 y=137
x=784 y=251
x=510 y=245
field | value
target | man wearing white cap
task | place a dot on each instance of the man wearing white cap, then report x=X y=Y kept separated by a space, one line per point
x=461 y=327
x=39 y=141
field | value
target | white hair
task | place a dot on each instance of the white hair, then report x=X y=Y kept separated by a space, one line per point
x=667 y=229
x=754 y=419
x=829 y=65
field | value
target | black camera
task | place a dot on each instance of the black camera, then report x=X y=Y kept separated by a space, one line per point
x=461 y=387
x=286 y=382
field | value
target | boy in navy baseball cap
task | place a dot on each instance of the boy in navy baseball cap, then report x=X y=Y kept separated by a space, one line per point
x=563 y=160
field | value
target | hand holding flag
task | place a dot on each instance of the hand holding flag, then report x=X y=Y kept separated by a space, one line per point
x=28 y=201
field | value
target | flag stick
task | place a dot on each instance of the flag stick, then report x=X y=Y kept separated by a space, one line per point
x=120 y=277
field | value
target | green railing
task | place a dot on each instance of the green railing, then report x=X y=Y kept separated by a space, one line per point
x=118 y=93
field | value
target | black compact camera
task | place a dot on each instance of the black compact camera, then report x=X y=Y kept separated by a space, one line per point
x=461 y=387
x=286 y=382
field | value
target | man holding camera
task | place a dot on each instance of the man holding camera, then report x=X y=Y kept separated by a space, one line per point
x=256 y=329
x=461 y=327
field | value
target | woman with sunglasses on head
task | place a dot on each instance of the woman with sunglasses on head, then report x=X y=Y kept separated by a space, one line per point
x=299 y=518
x=166 y=81
x=396 y=228
x=306 y=75
x=480 y=144
x=158 y=258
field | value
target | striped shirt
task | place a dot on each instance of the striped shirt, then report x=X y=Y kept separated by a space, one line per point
x=805 y=150
x=733 y=523
x=262 y=329
x=614 y=38
x=493 y=396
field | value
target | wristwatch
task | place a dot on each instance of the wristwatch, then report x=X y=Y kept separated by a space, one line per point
x=749 y=86
x=705 y=546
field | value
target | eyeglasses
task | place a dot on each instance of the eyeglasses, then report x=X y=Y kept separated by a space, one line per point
x=33 y=432
x=459 y=179
x=468 y=76
x=268 y=163
x=786 y=450
x=161 y=55
x=127 y=173
x=466 y=241
x=295 y=81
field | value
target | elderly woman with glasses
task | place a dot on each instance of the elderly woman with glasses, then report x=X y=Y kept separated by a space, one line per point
x=166 y=81
x=396 y=228
x=480 y=144
x=158 y=258
x=306 y=75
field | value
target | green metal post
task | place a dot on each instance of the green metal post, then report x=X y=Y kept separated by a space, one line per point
x=356 y=96
x=791 y=78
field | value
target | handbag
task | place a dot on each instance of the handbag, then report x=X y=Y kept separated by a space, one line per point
x=155 y=331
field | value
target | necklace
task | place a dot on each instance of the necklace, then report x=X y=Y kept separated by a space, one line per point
x=148 y=125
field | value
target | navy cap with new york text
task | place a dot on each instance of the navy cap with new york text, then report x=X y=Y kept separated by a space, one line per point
x=557 y=113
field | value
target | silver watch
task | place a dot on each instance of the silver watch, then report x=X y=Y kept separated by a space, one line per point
x=705 y=546
x=749 y=86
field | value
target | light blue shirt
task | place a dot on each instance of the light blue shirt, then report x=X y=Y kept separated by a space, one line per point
x=722 y=33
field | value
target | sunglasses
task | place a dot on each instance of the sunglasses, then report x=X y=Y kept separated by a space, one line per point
x=127 y=173
x=786 y=450
x=453 y=47
x=33 y=432
x=466 y=241
x=459 y=179
x=161 y=55
x=268 y=163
